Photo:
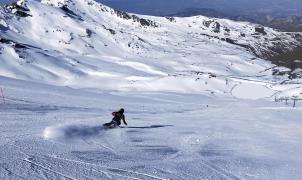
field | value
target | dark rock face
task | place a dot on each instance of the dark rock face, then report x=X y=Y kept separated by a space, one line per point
x=231 y=41
x=216 y=27
x=227 y=30
x=297 y=36
x=21 y=11
x=19 y=48
x=70 y=13
x=171 y=19
x=110 y=30
x=122 y=14
x=5 y=41
x=88 y=32
x=143 y=22
x=207 y=23
x=260 y=30
x=291 y=59
x=16 y=44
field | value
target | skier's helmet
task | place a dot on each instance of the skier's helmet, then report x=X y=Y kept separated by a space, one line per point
x=121 y=111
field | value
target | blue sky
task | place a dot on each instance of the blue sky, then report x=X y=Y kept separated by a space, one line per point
x=159 y=7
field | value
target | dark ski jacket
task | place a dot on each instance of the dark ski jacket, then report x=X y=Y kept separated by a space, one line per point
x=119 y=117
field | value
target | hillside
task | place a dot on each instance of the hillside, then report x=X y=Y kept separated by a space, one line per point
x=55 y=42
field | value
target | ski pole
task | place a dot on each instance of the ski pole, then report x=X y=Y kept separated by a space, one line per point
x=2 y=96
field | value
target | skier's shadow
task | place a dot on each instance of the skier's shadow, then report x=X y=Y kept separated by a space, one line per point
x=147 y=127
x=77 y=131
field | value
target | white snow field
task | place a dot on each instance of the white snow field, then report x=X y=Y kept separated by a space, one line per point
x=199 y=102
x=50 y=132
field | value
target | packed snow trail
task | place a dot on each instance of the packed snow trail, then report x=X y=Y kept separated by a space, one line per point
x=170 y=136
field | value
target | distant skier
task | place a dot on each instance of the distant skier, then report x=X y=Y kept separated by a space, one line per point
x=118 y=118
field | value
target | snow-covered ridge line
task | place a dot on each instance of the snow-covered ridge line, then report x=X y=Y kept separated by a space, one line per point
x=262 y=41
x=65 y=4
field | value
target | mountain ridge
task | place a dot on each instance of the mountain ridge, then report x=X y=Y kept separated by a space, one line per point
x=289 y=23
x=80 y=42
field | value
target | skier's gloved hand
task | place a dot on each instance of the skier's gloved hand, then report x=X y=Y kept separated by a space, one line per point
x=126 y=123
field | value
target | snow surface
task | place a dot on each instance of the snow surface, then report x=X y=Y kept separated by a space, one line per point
x=197 y=106
x=89 y=45
x=50 y=132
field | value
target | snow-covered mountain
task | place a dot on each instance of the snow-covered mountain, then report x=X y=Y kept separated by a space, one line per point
x=82 y=43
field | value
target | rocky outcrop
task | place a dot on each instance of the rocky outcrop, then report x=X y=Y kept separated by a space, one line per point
x=171 y=19
x=19 y=9
x=142 y=21
x=260 y=30
x=70 y=13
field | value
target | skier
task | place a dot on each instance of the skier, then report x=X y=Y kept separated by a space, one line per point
x=118 y=118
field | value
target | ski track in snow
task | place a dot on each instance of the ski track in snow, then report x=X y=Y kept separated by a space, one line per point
x=181 y=141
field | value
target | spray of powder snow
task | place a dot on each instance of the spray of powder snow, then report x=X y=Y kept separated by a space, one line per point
x=71 y=131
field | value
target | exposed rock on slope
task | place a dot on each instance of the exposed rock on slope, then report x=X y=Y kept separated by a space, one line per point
x=80 y=42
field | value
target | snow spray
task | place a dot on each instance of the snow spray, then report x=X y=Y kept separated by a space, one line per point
x=2 y=94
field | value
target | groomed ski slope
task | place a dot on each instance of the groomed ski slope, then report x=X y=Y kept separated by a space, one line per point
x=50 y=132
